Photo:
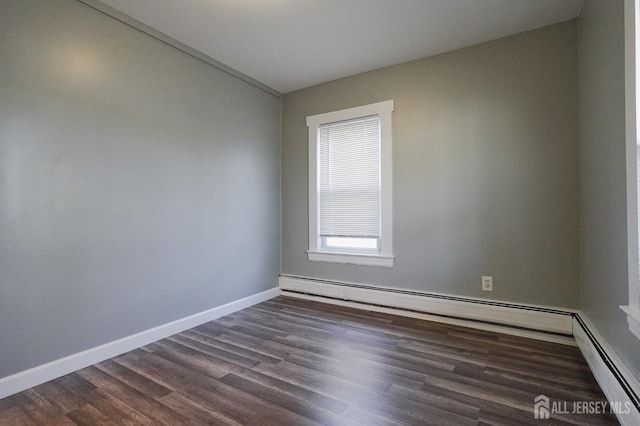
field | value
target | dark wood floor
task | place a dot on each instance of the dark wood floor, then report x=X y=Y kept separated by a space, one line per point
x=294 y=362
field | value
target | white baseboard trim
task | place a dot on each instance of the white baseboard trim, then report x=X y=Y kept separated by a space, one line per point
x=537 y=318
x=43 y=373
x=617 y=382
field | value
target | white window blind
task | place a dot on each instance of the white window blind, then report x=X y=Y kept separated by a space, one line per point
x=350 y=178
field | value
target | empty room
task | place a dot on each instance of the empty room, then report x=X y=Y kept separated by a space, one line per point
x=319 y=212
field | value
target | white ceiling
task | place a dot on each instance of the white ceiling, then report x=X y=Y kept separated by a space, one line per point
x=292 y=44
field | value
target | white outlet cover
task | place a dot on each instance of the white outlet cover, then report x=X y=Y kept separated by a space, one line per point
x=487 y=283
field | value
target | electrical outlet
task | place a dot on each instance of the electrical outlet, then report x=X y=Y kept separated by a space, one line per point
x=487 y=283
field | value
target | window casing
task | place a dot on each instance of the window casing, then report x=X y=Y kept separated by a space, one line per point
x=350 y=185
x=632 y=109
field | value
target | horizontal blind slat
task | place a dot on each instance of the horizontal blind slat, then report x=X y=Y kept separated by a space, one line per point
x=350 y=179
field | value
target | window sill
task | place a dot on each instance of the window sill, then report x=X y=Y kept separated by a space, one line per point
x=351 y=258
x=633 y=318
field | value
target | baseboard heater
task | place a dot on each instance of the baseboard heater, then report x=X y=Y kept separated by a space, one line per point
x=605 y=363
x=525 y=317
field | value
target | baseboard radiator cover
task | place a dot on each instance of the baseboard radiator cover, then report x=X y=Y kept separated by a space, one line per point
x=617 y=382
x=535 y=318
x=26 y=379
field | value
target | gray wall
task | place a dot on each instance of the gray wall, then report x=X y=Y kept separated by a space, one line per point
x=138 y=185
x=603 y=222
x=485 y=170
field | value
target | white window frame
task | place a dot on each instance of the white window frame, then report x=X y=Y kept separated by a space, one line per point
x=632 y=97
x=383 y=256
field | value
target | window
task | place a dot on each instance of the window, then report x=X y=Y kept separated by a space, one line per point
x=632 y=109
x=350 y=186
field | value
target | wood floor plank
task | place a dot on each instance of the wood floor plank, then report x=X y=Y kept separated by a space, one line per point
x=409 y=411
x=116 y=409
x=485 y=359
x=290 y=325
x=87 y=415
x=197 y=413
x=263 y=411
x=291 y=389
x=349 y=371
x=366 y=417
x=553 y=388
x=251 y=354
x=42 y=411
x=218 y=403
x=58 y=395
x=332 y=386
x=192 y=359
x=160 y=369
x=282 y=399
x=333 y=326
x=181 y=341
x=14 y=416
x=13 y=401
x=297 y=362
x=438 y=401
x=143 y=384
x=265 y=347
x=144 y=404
